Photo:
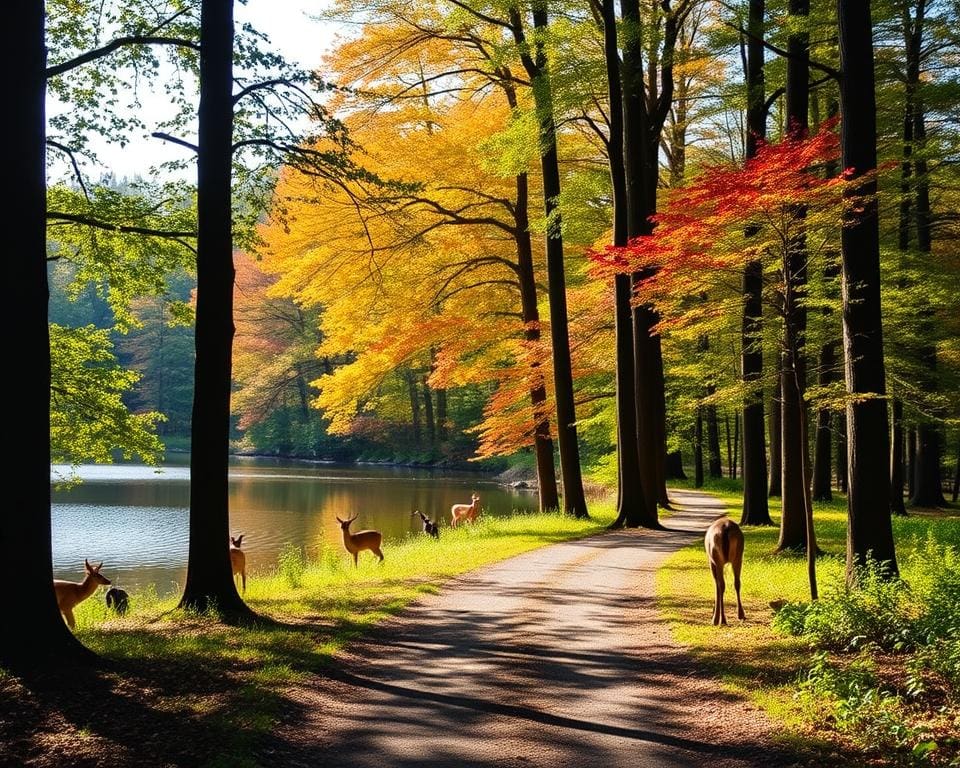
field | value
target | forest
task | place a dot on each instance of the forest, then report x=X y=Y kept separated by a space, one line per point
x=624 y=249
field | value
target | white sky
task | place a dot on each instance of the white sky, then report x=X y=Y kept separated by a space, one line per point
x=293 y=33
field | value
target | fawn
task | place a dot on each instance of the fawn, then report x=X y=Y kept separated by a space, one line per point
x=724 y=544
x=355 y=543
x=429 y=526
x=469 y=511
x=238 y=560
x=70 y=593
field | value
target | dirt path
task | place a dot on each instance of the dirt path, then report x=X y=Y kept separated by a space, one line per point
x=553 y=658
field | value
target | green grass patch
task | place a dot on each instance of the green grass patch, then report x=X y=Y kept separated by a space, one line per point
x=230 y=683
x=774 y=668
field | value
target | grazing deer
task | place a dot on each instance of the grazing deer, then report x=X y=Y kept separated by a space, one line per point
x=429 y=526
x=70 y=593
x=468 y=512
x=238 y=560
x=355 y=543
x=724 y=544
x=118 y=600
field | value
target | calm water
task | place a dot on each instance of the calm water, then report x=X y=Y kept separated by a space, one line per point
x=134 y=518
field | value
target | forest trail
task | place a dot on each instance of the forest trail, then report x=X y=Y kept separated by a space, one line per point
x=553 y=658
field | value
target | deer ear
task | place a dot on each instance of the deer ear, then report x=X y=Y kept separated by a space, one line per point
x=340 y=521
x=86 y=565
x=240 y=539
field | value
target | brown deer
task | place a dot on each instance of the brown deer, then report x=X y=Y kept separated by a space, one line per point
x=71 y=593
x=468 y=512
x=238 y=560
x=724 y=544
x=355 y=543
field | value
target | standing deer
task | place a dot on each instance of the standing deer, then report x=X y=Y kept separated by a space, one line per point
x=355 y=543
x=238 y=560
x=429 y=527
x=468 y=512
x=724 y=544
x=71 y=593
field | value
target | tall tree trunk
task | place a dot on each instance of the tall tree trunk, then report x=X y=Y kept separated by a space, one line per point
x=713 y=440
x=793 y=364
x=896 y=460
x=542 y=442
x=674 y=467
x=869 y=529
x=428 y=412
x=736 y=446
x=209 y=575
x=36 y=636
x=775 y=451
x=822 y=464
x=633 y=505
x=755 y=508
x=726 y=429
x=414 y=394
x=956 y=475
x=698 y=449
x=574 y=501
x=843 y=476
x=911 y=459
x=927 y=483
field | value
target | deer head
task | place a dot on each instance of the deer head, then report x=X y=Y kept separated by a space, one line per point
x=93 y=571
x=237 y=541
x=345 y=524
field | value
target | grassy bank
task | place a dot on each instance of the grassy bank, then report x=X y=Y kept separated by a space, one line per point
x=859 y=689
x=181 y=688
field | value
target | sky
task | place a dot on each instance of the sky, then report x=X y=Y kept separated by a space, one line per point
x=293 y=32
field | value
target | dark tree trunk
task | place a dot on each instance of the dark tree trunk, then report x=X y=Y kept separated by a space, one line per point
x=428 y=412
x=36 y=636
x=822 y=464
x=843 y=477
x=442 y=415
x=674 y=466
x=574 y=502
x=911 y=459
x=209 y=581
x=869 y=529
x=698 y=449
x=632 y=504
x=775 y=449
x=414 y=406
x=736 y=446
x=956 y=475
x=542 y=442
x=755 y=508
x=896 y=460
x=927 y=484
x=726 y=429
x=713 y=440
x=793 y=365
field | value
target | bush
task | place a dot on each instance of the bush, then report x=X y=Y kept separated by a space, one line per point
x=291 y=565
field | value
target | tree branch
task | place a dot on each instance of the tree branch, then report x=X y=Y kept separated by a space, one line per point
x=175 y=140
x=113 y=45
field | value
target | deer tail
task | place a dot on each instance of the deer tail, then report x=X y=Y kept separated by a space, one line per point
x=725 y=541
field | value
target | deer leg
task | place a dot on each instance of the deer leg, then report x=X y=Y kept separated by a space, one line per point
x=378 y=553
x=355 y=559
x=68 y=615
x=716 y=595
x=243 y=577
x=721 y=588
x=736 y=585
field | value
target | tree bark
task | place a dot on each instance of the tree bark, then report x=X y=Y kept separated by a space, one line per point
x=209 y=583
x=911 y=459
x=793 y=364
x=927 y=483
x=574 y=501
x=36 y=637
x=633 y=505
x=674 y=467
x=775 y=449
x=822 y=464
x=713 y=440
x=896 y=460
x=843 y=477
x=698 y=449
x=542 y=442
x=956 y=476
x=869 y=528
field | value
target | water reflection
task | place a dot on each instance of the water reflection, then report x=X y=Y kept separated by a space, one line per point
x=134 y=518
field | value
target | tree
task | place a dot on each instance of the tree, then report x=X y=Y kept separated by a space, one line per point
x=41 y=638
x=869 y=530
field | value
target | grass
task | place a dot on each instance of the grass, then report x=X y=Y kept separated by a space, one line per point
x=752 y=658
x=216 y=691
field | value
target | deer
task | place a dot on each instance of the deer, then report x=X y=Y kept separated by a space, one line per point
x=355 y=543
x=118 y=600
x=238 y=560
x=724 y=544
x=468 y=512
x=71 y=593
x=429 y=527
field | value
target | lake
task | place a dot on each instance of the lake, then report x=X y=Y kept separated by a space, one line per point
x=135 y=518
